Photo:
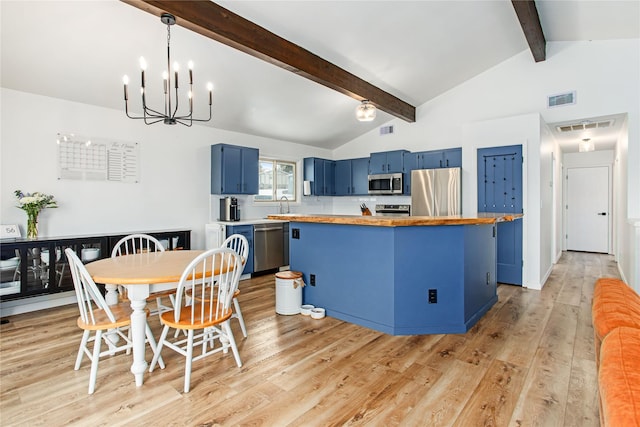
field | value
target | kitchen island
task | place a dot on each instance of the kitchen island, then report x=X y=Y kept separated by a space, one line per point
x=398 y=275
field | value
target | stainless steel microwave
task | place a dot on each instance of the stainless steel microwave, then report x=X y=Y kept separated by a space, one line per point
x=387 y=183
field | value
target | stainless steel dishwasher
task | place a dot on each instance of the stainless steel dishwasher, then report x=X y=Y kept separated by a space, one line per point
x=268 y=246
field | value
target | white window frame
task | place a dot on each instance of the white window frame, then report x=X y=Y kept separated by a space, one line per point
x=274 y=198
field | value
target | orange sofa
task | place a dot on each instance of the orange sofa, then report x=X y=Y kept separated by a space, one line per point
x=619 y=378
x=615 y=304
x=616 y=325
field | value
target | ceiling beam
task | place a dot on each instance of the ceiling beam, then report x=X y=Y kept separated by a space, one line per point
x=217 y=23
x=530 y=23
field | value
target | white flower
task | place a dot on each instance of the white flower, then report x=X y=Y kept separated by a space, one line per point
x=35 y=202
x=27 y=200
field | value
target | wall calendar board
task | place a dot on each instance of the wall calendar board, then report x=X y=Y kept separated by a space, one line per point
x=95 y=159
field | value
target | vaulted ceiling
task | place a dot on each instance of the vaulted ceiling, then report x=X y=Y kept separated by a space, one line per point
x=414 y=50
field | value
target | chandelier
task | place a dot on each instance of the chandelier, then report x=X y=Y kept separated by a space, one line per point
x=170 y=115
x=366 y=111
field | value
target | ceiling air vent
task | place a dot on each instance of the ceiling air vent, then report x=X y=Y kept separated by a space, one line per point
x=568 y=98
x=583 y=125
x=386 y=130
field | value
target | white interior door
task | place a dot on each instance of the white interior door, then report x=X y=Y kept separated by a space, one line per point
x=588 y=209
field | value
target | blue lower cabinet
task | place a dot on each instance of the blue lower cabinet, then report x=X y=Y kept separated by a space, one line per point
x=246 y=231
x=416 y=280
x=510 y=252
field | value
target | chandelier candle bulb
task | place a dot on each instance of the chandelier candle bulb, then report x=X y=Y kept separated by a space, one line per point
x=176 y=67
x=190 y=65
x=143 y=66
x=125 y=80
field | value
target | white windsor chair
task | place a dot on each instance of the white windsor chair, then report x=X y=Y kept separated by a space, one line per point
x=208 y=312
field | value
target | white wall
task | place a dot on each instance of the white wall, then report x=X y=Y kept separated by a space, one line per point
x=548 y=150
x=605 y=76
x=175 y=164
x=627 y=230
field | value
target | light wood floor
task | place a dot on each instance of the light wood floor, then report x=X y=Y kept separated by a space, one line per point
x=529 y=361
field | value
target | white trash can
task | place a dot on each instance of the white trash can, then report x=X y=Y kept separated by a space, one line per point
x=288 y=292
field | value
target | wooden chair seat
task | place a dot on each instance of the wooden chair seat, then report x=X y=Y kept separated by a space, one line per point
x=201 y=320
x=121 y=312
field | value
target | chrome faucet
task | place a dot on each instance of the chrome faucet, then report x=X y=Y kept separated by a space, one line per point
x=281 y=207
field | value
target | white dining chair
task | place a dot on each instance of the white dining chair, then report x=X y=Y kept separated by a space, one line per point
x=240 y=245
x=209 y=313
x=138 y=243
x=98 y=317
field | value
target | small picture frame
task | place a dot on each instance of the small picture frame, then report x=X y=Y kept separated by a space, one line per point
x=9 y=231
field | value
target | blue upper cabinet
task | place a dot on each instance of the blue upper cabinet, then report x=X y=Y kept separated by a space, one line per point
x=321 y=173
x=410 y=163
x=387 y=162
x=351 y=177
x=343 y=178
x=234 y=169
x=450 y=158
x=329 y=177
x=250 y=168
x=360 y=176
x=435 y=159
x=430 y=160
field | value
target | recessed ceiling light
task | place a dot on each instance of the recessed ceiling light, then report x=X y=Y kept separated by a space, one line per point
x=586 y=145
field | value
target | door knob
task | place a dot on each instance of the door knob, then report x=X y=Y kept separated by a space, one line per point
x=602 y=213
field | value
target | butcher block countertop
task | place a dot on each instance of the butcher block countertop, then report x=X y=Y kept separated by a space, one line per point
x=400 y=221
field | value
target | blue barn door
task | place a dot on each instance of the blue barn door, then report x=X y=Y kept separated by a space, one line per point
x=500 y=190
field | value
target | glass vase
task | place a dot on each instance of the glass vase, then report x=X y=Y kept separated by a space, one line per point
x=32 y=226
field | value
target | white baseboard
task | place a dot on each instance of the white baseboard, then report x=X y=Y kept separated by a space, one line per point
x=26 y=305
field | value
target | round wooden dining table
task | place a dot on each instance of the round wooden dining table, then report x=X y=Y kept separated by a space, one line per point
x=141 y=274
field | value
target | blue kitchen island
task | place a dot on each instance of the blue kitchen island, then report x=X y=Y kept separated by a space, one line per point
x=398 y=275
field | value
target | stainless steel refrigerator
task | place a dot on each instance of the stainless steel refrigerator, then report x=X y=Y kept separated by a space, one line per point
x=436 y=192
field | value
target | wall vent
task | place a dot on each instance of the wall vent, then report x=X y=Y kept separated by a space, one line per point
x=584 y=125
x=568 y=98
x=386 y=130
